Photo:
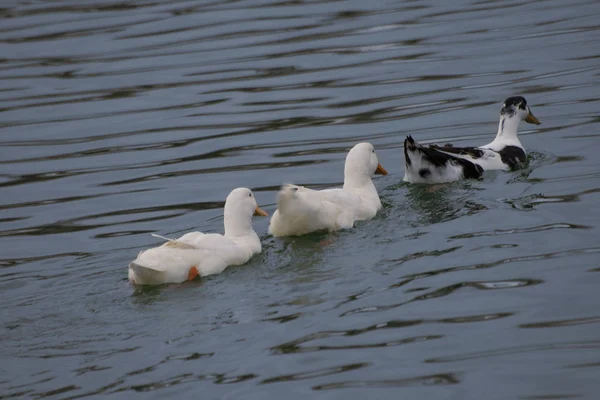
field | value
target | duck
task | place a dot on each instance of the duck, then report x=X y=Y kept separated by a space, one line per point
x=200 y=254
x=425 y=164
x=301 y=210
x=442 y=164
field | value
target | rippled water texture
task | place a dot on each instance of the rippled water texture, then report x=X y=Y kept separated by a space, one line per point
x=121 y=119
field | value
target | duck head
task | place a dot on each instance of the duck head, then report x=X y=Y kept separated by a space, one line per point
x=240 y=206
x=516 y=106
x=361 y=164
x=514 y=110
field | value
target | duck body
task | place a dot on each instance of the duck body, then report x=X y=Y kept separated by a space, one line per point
x=424 y=164
x=199 y=254
x=440 y=164
x=301 y=210
x=498 y=155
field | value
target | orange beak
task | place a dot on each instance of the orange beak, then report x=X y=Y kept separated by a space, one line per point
x=380 y=170
x=259 y=211
x=531 y=119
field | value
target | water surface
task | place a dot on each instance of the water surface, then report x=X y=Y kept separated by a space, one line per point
x=121 y=119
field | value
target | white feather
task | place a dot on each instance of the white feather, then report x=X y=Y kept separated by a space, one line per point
x=301 y=210
x=208 y=253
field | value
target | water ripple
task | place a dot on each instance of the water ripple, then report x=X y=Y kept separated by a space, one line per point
x=517 y=349
x=315 y=374
x=125 y=118
x=533 y=229
x=445 y=291
x=560 y=323
x=438 y=379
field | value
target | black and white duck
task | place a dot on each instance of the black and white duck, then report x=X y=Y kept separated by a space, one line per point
x=440 y=164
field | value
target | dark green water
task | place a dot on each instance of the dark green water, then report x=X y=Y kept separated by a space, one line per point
x=121 y=119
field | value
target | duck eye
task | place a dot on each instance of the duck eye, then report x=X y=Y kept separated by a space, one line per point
x=249 y=194
x=373 y=150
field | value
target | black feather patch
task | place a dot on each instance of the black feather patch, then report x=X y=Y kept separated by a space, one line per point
x=510 y=106
x=409 y=143
x=435 y=157
x=513 y=156
x=461 y=151
x=443 y=160
x=470 y=170
x=515 y=101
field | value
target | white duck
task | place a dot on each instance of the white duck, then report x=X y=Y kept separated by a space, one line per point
x=199 y=254
x=301 y=210
x=438 y=164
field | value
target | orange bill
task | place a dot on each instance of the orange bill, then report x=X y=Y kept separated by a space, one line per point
x=530 y=118
x=260 y=212
x=380 y=170
x=193 y=273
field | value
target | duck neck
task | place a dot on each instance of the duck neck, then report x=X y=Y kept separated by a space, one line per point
x=235 y=224
x=507 y=129
x=357 y=181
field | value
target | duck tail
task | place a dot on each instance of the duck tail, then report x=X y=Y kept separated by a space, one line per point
x=141 y=275
x=286 y=196
x=162 y=237
x=177 y=244
x=410 y=147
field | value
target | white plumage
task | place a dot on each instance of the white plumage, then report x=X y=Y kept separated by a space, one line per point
x=199 y=254
x=301 y=210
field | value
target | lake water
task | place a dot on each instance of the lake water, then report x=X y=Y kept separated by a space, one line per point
x=121 y=119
